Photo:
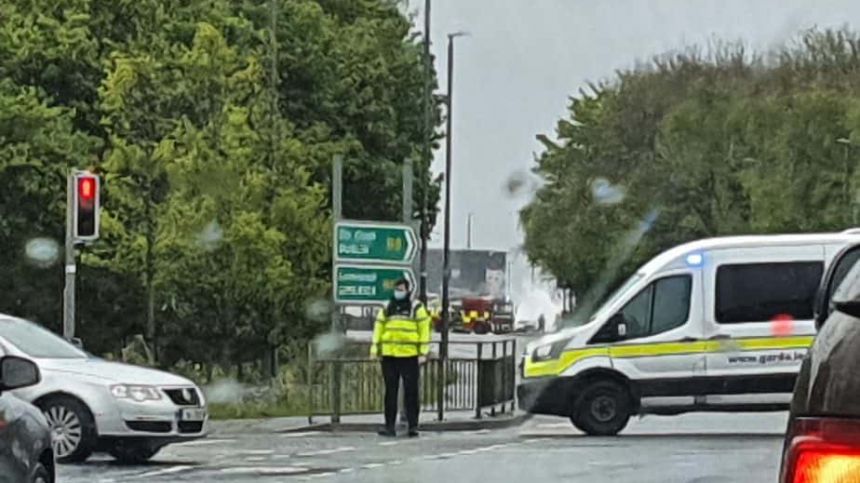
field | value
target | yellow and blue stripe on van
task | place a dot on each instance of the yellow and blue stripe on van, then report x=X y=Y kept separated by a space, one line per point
x=569 y=357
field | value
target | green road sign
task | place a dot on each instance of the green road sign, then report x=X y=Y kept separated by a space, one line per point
x=374 y=242
x=368 y=283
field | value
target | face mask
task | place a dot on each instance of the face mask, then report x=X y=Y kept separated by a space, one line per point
x=400 y=294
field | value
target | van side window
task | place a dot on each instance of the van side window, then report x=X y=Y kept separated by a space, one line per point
x=637 y=313
x=758 y=292
x=671 y=303
x=661 y=306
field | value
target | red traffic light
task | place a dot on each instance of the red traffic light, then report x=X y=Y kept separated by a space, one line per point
x=86 y=206
x=86 y=188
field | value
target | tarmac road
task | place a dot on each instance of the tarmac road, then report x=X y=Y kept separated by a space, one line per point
x=694 y=448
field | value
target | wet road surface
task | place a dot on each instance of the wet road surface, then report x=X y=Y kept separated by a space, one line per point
x=695 y=448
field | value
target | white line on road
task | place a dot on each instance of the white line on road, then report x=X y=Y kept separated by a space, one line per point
x=263 y=470
x=371 y=466
x=322 y=452
x=388 y=443
x=251 y=452
x=161 y=472
x=206 y=442
x=301 y=434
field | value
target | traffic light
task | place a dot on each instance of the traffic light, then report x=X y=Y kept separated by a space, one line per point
x=86 y=203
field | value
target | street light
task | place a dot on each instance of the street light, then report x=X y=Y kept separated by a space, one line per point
x=446 y=259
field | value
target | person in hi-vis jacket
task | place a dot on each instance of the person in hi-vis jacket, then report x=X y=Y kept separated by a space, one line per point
x=401 y=337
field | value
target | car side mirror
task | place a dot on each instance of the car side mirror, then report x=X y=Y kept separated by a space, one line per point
x=17 y=372
x=850 y=307
x=77 y=342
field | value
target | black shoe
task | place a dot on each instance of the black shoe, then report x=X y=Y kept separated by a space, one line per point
x=413 y=433
x=387 y=432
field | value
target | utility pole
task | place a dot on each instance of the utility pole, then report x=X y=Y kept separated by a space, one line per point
x=469 y=231
x=427 y=157
x=70 y=266
x=446 y=255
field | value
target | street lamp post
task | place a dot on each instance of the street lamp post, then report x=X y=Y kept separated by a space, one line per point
x=428 y=153
x=446 y=259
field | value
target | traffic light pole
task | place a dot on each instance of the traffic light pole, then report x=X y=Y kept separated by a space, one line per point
x=70 y=267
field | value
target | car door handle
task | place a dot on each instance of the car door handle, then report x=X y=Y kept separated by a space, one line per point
x=688 y=339
x=720 y=337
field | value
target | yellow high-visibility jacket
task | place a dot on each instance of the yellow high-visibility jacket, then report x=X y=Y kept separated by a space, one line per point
x=402 y=334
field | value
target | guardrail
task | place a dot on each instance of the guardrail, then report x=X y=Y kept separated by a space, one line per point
x=476 y=376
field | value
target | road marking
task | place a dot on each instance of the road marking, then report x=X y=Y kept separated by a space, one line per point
x=371 y=466
x=322 y=452
x=206 y=442
x=165 y=471
x=347 y=470
x=388 y=443
x=322 y=475
x=263 y=470
x=301 y=434
x=256 y=452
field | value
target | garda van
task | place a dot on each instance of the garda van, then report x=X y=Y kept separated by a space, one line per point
x=720 y=324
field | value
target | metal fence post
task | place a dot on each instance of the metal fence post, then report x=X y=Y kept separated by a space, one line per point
x=495 y=382
x=309 y=380
x=440 y=388
x=504 y=381
x=478 y=381
x=335 y=392
x=513 y=388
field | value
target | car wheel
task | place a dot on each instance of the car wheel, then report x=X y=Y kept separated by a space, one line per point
x=133 y=453
x=73 y=430
x=41 y=474
x=481 y=328
x=603 y=409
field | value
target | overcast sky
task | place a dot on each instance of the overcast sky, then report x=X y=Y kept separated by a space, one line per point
x=524 y=58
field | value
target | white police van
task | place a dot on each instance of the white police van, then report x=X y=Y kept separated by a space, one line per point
x=720 y=324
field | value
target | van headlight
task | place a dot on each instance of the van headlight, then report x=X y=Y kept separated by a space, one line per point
x=135 y=392
x=549 y=351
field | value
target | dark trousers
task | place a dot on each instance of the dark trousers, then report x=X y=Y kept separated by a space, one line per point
x=393 y=369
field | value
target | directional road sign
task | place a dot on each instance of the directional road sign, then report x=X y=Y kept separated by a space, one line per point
x=374 y=242
x=368 y=283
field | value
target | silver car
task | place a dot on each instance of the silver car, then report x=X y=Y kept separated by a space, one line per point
x=92 y=404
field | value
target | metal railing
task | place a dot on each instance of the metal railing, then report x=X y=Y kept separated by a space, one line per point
x=475 y=377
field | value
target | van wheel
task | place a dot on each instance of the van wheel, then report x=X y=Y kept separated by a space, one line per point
x=603 y=409
x=73 y=429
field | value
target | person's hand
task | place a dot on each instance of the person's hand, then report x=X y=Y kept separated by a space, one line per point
x=422 y=360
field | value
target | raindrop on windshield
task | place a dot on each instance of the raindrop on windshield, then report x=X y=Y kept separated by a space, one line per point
x=210 y=237
x=42 y=252
x=605 y=193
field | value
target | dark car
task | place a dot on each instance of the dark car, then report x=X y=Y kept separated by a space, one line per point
x=25 y=439
x=823 y=438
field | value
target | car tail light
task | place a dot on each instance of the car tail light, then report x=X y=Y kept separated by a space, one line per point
x=822 y=450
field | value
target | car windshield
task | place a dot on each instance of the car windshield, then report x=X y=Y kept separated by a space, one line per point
x=255 y=194
x=36 y=341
